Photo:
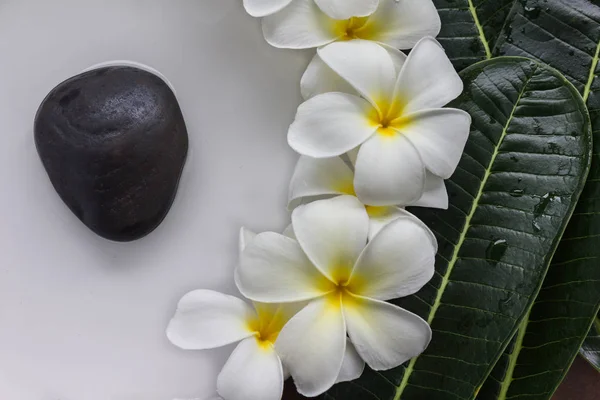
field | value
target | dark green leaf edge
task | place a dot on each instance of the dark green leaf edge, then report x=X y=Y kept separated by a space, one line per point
x=550 y=255
x=513 y=354
x=590 y=350
x=374 y=381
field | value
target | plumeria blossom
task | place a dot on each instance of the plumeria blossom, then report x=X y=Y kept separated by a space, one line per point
x=336 y=9
x=396 y=24
x=317 y=178
x=399 y=24
x=206 y=319
x=346 y=283
x=398 y=123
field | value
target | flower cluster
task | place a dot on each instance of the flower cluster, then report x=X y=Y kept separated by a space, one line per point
x=373 y=138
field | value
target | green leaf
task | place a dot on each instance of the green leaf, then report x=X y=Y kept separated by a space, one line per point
x=511 y=198
x=566 y=35
x=591 y=346
x=470 y=28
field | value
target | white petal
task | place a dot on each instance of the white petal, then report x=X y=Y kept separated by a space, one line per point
x=365 y=65
x=435 y=194
x=273 y=316
x=274 y=269
x=352 y=367
x=398 y=57
x=320 y=176
x=402 y=23
x=312 y=346
x=416 y=220
x=428 y=79
x=246 y=236
x=332 y=233
x=384 y=335
x=398 y=262
x=381 y=216
x=389 y=171
x=260 y=8
x=286 y=373
x=439 y=136
x=345 y=9
x=301 y=25
x=319 y=78
x=330 y=124
x=206 y=319
x=253 y=372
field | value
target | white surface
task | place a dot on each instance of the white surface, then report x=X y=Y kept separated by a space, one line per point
x=82 y=318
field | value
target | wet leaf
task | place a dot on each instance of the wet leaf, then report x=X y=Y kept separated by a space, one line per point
x=494 y=246
x=566 y=35
x=470 y=28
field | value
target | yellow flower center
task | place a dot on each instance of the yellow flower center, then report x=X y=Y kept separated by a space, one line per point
x=346 y=188
x=344 y=283
x=389 y=118
x=355 y=28
x=269 y=322
x=375 y=212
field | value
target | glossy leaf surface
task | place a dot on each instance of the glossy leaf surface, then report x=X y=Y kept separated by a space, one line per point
x=470 y=28
x=511 y=197
x=566 y=35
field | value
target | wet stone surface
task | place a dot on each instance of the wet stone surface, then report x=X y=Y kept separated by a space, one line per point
x=113 y=142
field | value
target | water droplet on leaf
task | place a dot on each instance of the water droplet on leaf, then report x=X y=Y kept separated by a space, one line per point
x=495 y=251
x=540 y=208
x=532 y=12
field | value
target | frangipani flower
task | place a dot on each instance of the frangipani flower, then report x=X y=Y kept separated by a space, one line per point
x=397 y=23
x=319 y=78
x=317 y=178
x=337 y=9
x=402 y=131
x=346 y=283
x=206 y=319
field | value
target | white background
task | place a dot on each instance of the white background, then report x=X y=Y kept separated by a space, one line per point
x=82 y=318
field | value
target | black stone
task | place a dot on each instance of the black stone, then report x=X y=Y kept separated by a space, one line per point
x=113 y=142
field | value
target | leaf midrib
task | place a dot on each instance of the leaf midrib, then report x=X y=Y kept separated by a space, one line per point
x=588 y=86
x=513 y=358
x=486 y=45
x=463 y=235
